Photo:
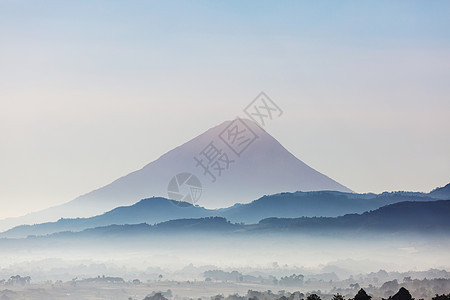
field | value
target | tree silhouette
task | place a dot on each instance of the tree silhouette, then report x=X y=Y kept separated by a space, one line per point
x=338 y=297
x=362 y=295
x=157 y=296
x=17 y=279
x=441 y=297
x=313 y=297
x=402 y=294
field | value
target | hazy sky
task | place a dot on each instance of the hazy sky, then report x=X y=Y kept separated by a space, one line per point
x=92 y=90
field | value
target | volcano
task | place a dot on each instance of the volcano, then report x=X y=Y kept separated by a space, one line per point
x=234 y=162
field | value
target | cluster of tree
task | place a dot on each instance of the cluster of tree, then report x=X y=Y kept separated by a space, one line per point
x=267 y=295
x=159 y=295
x=425 y=288
x=235 y=276
x=293 y=280
x=442 y=297
x=103 y=279
x=220 y=275
x=383 y=275
x=16 y=280
x=402 y=294
x=156 y=296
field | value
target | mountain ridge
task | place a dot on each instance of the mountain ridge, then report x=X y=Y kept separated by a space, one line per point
x=398 y=218
x=281 y=205
x=265 y=167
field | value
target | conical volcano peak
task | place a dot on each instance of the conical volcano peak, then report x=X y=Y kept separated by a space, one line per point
x=236 y=161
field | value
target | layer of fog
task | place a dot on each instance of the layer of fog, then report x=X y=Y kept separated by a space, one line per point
x=186 y=257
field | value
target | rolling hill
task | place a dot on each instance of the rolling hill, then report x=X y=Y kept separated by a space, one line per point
x=284 y=205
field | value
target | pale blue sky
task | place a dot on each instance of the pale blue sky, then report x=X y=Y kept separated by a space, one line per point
x=90 y=91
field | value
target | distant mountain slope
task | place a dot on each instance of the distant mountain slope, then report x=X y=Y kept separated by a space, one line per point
x=152 y=210
x=441 y=192
x=409 y=216
x=413 y=216
x=403 y=217
x=284 y=205
x=265 y=167
x=313 y=204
